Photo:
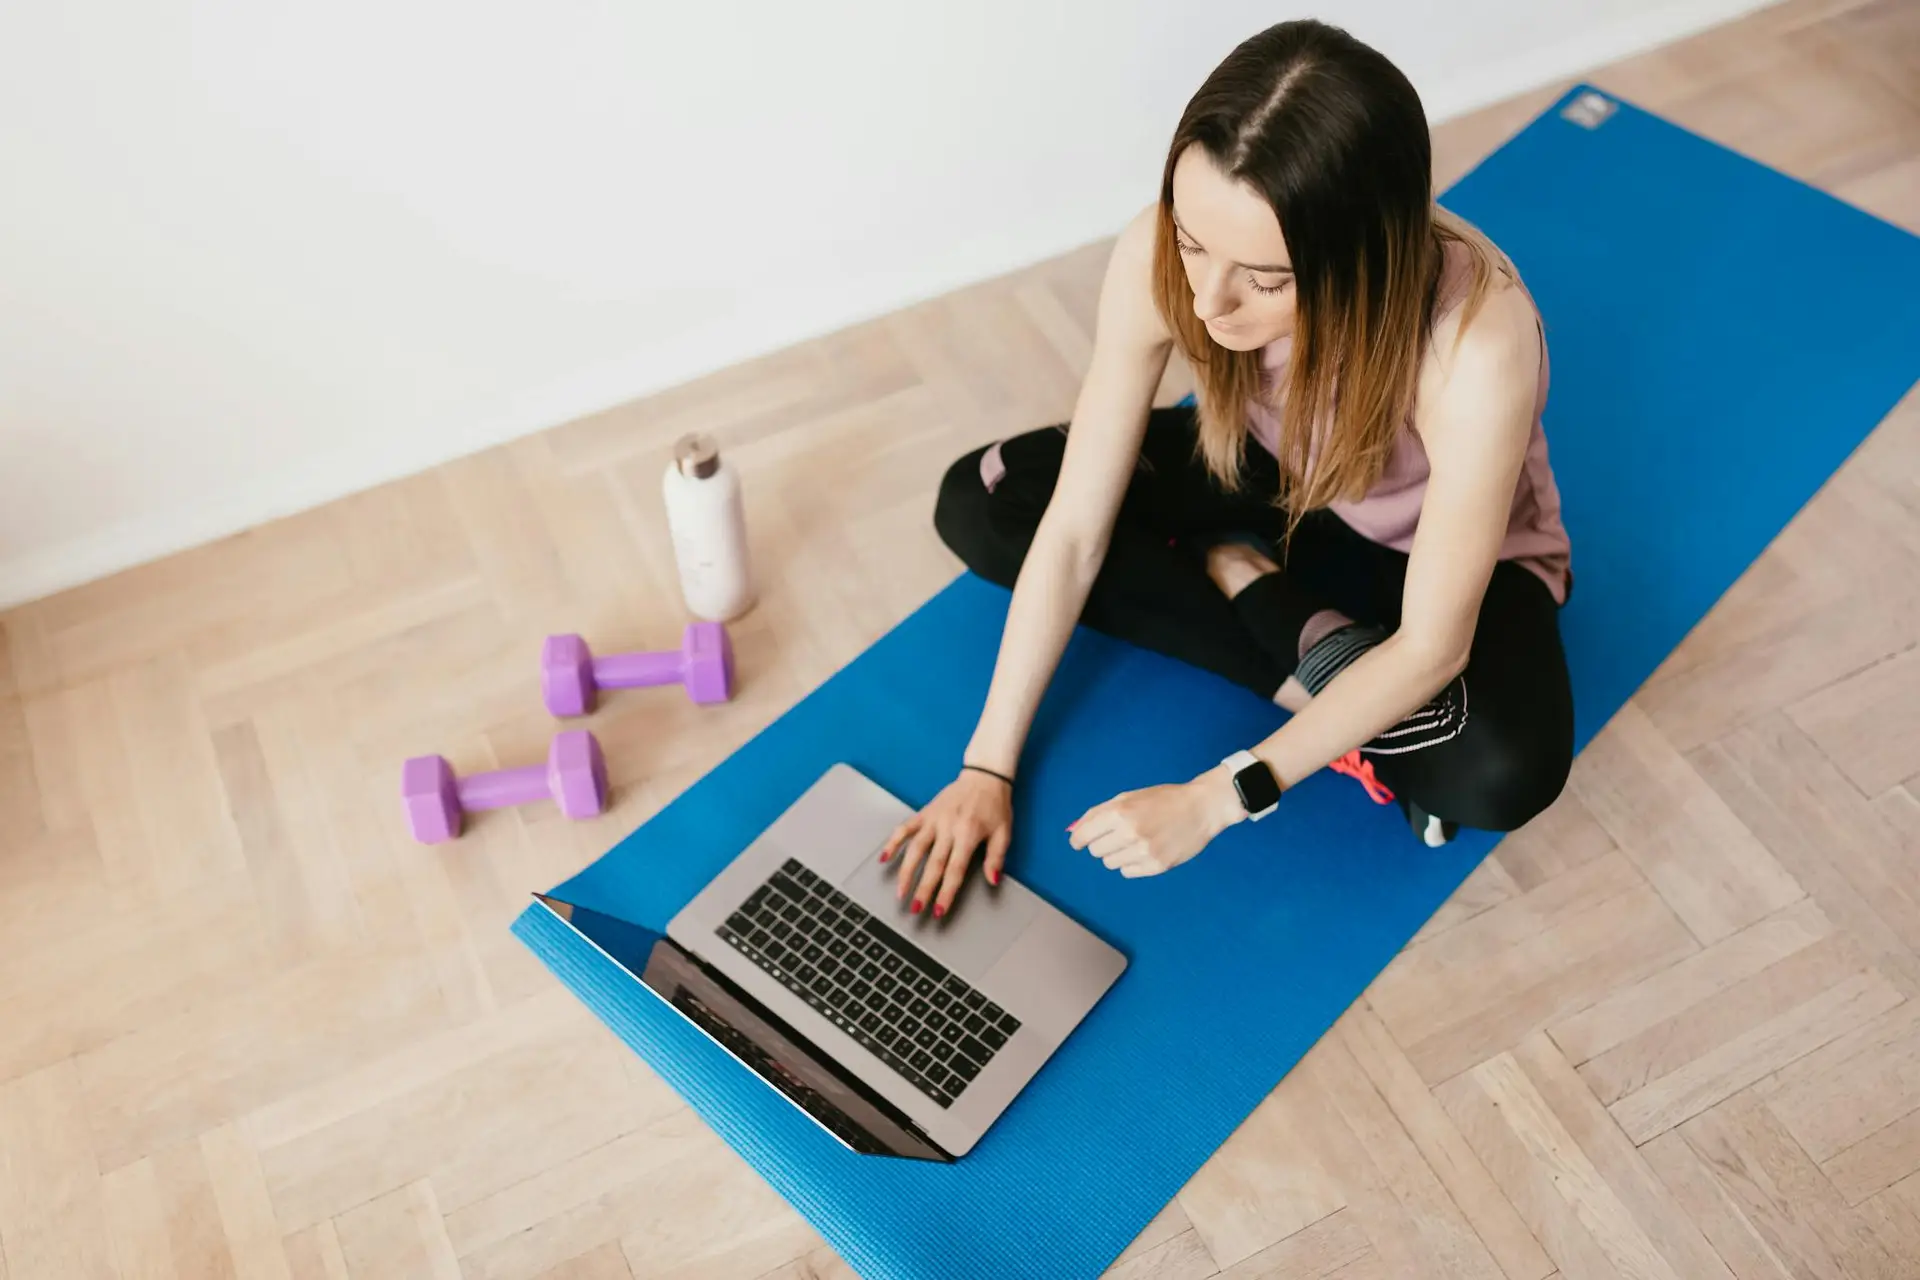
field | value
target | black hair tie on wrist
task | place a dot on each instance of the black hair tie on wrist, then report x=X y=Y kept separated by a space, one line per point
x=989 y=772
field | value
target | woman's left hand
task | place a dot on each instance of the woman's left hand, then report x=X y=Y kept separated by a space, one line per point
x=1142 y=833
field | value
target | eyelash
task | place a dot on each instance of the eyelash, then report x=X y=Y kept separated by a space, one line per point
x=1187 y=249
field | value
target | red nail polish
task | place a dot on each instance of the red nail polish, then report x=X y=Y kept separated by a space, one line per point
x=939 y=909
x=916 y=906
x=993 y=878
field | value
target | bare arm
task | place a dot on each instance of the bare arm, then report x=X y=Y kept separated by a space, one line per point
x=1130 y=351
x=1475 y=415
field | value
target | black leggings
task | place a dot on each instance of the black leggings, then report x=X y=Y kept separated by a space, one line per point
x=1513 y=745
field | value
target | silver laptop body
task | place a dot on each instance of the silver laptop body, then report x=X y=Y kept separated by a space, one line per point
x=886 y=1067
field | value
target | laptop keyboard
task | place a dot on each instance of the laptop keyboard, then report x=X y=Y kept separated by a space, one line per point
x=900 y=1003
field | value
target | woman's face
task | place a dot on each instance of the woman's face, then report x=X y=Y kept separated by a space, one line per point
x=1236 y=258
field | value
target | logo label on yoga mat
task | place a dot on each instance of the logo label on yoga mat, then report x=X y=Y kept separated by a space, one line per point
x=1590 y=110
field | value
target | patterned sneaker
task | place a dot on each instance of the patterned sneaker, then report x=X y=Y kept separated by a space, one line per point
x=1428 y=829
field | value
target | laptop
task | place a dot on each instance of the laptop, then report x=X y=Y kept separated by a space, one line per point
x=899 y=1034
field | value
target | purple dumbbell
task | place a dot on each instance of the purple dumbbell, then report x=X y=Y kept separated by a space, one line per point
x=571 y=677
x=574 y=777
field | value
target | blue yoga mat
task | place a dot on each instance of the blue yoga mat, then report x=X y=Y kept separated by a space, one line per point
x=1722 y=338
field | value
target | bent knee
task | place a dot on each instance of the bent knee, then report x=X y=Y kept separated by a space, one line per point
x=1511 y=779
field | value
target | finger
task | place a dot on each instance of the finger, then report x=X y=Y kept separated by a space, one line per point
x=911 y=855
x=900 y=833
x=997 y=845
x=930 y=873
x=1110 y=842
x=1089 y=826
x=958 y=860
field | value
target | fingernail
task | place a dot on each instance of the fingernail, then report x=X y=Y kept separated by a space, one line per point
x=939 y=909
x=993 y=877
x=885 y=856
x=916 y=906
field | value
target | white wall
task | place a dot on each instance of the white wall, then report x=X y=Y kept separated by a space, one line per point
x=255 y=254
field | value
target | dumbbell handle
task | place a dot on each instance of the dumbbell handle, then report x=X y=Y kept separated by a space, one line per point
x=504 y=787
x=638 y=670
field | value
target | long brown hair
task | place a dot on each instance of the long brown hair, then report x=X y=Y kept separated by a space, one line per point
x=1335 y=139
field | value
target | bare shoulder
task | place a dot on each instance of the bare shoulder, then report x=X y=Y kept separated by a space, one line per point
x=1481 y=378
x=1493 y=355
x=1128 y=313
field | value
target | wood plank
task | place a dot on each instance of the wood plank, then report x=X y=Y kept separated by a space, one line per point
x=53 y=1217
x=1869 y=722
x=137 y=1223
x=1184 y=1257
x=1536 y=960
x=1335 y=1246
x=1719 y=1074
x=1778 y=1190
x=246 y=1209
x=1861 y=866
x=605 y=1263
x=1440 y=1144
x=1263 y=1184
x=397 y=1236
x=314 y=1254
x=1708 y=867
x=1395 y=1196
x=1690 y=982
x=1699 y=1195
x=1560 y=1195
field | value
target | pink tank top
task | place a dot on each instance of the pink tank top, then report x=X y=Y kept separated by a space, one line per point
x=1390 y=511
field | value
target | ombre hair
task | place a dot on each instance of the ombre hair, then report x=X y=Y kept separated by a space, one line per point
x=1334 y=138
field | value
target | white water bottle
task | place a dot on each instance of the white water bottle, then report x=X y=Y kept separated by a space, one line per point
x=709 y=529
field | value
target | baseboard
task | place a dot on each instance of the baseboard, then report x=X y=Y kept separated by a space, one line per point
x=410 y=448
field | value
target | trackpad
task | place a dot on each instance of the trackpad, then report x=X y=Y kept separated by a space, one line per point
x=984 y=921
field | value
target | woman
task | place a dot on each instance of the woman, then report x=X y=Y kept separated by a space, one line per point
x=1358 y=522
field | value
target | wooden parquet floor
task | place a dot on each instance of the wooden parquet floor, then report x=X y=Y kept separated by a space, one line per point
x=249 y=1029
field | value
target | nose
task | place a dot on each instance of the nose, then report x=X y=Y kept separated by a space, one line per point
x=1212 y=299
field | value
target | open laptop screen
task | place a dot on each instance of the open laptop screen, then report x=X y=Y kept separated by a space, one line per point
x=836 y=1099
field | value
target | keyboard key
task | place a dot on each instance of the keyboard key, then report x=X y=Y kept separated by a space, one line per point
x=871 y=948
x=860 y=990
x=940 y=1096
x=870 y=1022
x=739 y=922
x=966 y=1068
x=974 y=1023
x=837 y=947
x=954 y=987
x=922 y=985
x=991 y=1011
x=918 y=1008
x=941 y=998
x=925 y=1038
x=938 y=1021
x=1009 y=1024
x=920 y=1060
x=973 y=1000
x=869 y=971
x=994 y=1037
x=975 y=1050
x=891 y=963
x=886 y=1035
x=812 y=953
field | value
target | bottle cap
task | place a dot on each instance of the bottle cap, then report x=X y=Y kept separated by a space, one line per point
x=696 y=455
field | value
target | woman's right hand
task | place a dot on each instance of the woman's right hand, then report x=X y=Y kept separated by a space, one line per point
x=938 y=843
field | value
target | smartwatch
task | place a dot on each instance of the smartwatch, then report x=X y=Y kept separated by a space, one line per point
x=1259 y=789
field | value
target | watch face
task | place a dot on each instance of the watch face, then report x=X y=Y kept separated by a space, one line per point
x=1257 y=788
